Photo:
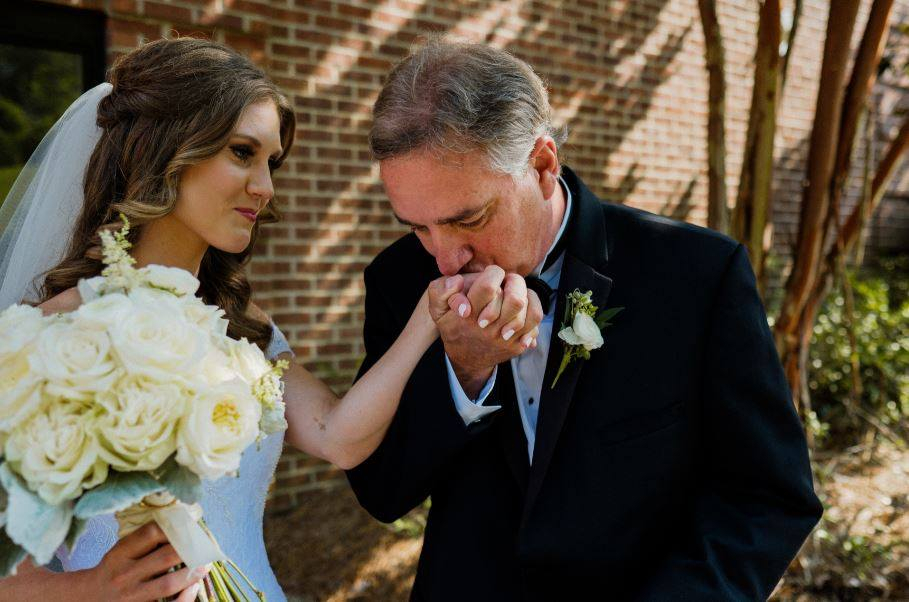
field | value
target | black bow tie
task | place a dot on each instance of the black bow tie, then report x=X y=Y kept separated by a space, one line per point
x=543 y=291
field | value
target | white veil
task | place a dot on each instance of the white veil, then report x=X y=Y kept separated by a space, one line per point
x=39 y=213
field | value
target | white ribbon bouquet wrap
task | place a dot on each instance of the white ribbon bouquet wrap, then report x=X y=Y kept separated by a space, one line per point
x=124 y=406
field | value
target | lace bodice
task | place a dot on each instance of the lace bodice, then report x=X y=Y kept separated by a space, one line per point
x=233 y=510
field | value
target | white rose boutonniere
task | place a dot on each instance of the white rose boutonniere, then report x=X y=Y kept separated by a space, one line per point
x=582 y=328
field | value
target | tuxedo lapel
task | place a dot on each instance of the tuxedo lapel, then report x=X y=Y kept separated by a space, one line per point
x=585 y=256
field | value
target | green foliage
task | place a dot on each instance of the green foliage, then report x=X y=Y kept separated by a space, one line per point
x=8 y=175
x=120 y=491
x=36 y=86
x=10 y=554
x=414 y=523
x=848 y=566
x=864 y=553
x=881 y=323
x=32 y=524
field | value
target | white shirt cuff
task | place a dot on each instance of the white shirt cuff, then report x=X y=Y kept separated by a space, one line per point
x=470 y=410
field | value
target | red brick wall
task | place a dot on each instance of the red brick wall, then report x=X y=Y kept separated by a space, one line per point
x=626 y=75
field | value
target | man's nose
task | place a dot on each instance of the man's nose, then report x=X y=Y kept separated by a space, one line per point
x=451 y=254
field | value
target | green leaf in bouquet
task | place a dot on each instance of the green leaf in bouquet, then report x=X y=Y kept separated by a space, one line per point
x=10 y=555
x=4 y=500
x=184 y=484
x=76 y=530
x=31 y=522
x=120 y=491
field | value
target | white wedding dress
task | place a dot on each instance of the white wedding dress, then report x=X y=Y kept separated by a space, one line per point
x=233 y=510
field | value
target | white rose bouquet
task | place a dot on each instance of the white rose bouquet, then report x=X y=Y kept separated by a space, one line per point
x=123 y=406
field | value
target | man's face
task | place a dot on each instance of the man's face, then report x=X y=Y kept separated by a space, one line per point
x=467 y=216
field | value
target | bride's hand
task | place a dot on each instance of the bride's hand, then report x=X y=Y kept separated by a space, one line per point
x=135 y=570
x=511 y=308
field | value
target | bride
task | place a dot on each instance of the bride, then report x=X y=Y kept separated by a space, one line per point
x=183 y=141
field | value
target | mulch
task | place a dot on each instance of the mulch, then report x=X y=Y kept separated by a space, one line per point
x=329 y=549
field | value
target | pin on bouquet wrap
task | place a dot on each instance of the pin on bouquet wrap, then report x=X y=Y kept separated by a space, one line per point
x=123 y=406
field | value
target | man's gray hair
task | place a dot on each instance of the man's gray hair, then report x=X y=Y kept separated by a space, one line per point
x=459 y=97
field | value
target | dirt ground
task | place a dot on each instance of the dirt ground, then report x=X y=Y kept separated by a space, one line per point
x=329 y=549
x=860 y=551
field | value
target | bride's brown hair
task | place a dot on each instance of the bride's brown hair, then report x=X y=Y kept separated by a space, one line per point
x=174 y=103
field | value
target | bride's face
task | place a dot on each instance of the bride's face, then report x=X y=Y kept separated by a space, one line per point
x=219 y=199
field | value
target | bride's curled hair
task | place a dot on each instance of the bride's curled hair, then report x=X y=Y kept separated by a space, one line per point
x=174 y=103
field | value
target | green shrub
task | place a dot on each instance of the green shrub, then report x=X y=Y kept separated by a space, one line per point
x=881 y=322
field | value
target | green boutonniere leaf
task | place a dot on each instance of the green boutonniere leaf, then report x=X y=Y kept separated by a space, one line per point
x=604 y=316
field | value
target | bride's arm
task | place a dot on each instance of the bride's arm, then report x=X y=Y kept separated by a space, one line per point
x=348 y=430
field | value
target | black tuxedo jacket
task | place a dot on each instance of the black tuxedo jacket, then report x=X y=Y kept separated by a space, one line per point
x=671 y=465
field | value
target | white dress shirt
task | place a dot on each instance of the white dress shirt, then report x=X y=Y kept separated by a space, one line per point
x=528 y=368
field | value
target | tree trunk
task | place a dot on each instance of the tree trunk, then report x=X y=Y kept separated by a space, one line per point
x=864 y=74
x=795 y=362
x=851 y=229
x=717 y=213
x=849 y=234
x=808 y=255
x=752 y=207
x=790 y=42
x=858 y=254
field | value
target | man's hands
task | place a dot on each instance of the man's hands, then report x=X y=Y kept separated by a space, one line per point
x=505 y=325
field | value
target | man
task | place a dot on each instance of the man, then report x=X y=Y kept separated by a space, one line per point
x=670 y=465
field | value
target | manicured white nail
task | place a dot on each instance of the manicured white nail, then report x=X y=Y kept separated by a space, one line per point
x=527 y=340
x=462 y=310
x=484 y=323
x=507 y=334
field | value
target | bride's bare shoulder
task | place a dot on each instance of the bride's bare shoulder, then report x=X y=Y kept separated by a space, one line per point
x=62 y=303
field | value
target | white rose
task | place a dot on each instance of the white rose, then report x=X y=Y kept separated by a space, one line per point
x=75 y=359
x=176 y=280
x=219 y=424
x=19 y=325
x=156 y=340
x=209 y=317
x=215 y=368
x=137 y=429
x=56 y=452
x=157 y=298
x=20 y=392
x=247 y=359
x=104 y=311
x=583 y=331
x=91 y=288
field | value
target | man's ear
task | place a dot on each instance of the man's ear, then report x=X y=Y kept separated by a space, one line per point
x=544 y=160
